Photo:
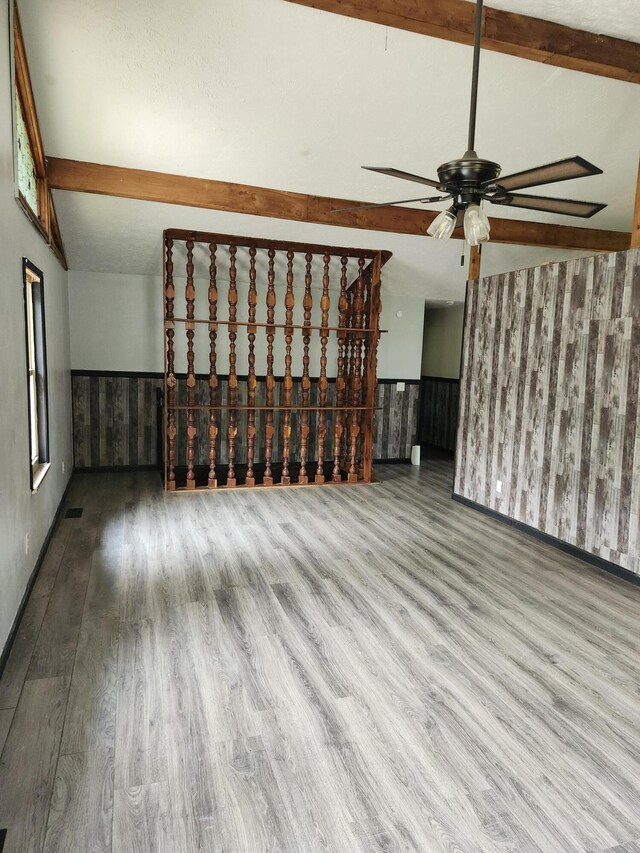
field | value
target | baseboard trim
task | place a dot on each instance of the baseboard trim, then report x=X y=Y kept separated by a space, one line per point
x=579 y=553
x=399 y=460
x=6 y=651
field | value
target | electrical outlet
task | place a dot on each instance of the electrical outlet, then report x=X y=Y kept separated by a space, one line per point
x=499 y=486
x=400 y=386
x=26 y=543
x=63 y=466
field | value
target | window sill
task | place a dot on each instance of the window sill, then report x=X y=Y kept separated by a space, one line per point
x=38 y=472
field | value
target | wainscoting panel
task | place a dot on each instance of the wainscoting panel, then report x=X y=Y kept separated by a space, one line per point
x=439 y=411
x=115 y=420
x=549 y=402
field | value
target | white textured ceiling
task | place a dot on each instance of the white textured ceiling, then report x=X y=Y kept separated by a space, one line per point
x=269 y=93
x=105 y=234
x=619 y=18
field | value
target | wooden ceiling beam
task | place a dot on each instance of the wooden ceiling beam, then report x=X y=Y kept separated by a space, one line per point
x=504 y=32
x=76 y=176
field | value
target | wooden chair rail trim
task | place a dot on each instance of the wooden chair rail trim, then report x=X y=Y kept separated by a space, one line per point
x=292 y=408
x=245 y=323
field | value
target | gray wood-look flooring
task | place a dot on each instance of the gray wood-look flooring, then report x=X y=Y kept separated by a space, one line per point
x=336 y=669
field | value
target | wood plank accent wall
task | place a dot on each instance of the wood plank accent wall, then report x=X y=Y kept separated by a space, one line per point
x=550 y=402
x=114 y=420
x=115 y=425
x=439 y=412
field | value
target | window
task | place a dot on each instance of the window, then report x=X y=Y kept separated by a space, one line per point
x=36 y=373
x=32 y=189
x=27 y=175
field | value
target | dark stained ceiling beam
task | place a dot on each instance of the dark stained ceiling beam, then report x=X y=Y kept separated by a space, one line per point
x=505 y=32
x=76 y=176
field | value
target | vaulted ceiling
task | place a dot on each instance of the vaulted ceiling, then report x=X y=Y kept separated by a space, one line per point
x=274 y=94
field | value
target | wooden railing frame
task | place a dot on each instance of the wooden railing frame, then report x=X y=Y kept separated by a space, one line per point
x=350 y=447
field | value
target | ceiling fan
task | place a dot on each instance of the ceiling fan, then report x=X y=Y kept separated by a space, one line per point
x=470 y=180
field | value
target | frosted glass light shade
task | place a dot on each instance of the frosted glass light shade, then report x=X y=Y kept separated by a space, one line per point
x=442 y=226
x=476 y=225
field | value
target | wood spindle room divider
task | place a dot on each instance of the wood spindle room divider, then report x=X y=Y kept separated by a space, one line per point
x=298 y=422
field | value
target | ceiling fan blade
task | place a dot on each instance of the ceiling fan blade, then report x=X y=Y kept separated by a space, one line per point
x=391 y=203
x=566 y=206
x=397 y=173
x=562 y=170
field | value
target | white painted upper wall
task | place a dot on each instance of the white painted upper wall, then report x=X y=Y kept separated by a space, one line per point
x=106 y=335
x=24 y=514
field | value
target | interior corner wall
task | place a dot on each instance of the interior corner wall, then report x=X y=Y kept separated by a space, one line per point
x=442 y=342
x=550 y=402
x=117 y=364
x=23 y=514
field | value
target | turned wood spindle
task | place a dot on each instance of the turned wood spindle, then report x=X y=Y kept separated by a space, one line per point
x=270 y=380
x=251 y=380
x=190 y=295
x=343 y=305
x=365 y=368
x=288 y=381
x=350 y=362
x=233 y=378
x=170 y=380
x=373 y=322
x=325 y=304
x=307 y=304
x=356 y=386
x=213 y=376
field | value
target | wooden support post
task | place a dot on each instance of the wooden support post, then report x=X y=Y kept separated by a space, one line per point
x=270 y=380
x=212 y=482
x=474 y=263
x=233 y=378
x=307 y=304
x=635 y=228
x=190 y=296
x=251 y=379
x=170 y=376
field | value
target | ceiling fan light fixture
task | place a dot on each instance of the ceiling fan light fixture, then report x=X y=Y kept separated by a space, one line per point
x=443 y=225
x=476 y=225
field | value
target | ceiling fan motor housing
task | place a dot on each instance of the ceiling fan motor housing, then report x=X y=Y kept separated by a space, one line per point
x=468 y=177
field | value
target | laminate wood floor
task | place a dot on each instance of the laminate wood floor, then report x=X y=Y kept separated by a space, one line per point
x=336 y=669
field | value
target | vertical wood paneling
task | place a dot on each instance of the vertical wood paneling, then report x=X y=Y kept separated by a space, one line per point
x=439 y=412
x=550 y=401
x=133 y=409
